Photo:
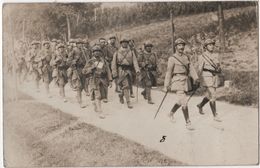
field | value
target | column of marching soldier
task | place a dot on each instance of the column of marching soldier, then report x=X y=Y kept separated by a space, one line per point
x=92 y=69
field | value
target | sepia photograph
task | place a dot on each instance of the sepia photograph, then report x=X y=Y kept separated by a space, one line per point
x=106 y=84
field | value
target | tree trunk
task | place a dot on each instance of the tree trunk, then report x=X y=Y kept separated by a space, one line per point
x=221 y=25
x=23 y=29
x=173 y=39
x=68 y=25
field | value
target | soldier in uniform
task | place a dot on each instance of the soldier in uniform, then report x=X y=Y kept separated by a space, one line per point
x=33 y=60
x=77 y=62
x=177 y=79
x=21 y=63
x=122 y=62
x=209 y=70
x=99 y=74
x=148 y=64
x=46 y=70
x=88 y=54
x=60 y=62
x=132 y=47
x=112 y=48
x=107 y=57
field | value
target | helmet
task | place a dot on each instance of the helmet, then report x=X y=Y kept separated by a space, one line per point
x=179 y=41
x=35 y=42
x=208 y=41
x=96 y=48
x=112 y=37
x=53 y=40
x=60 y=46
x=124 y=39
x=148 y=44
x=45 y=42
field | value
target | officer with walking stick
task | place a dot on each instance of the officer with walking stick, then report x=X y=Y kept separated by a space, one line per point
x=179 y=76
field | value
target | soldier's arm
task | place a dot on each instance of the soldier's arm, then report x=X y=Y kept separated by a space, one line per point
x=200 y=64
x=137 y=69
x=168 y=76
x=114 y=65
x=193 y=72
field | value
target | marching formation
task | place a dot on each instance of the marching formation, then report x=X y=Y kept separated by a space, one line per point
x=90 y=71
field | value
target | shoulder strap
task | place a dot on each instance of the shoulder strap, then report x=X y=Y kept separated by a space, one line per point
x=187 y=68
x=210 y=61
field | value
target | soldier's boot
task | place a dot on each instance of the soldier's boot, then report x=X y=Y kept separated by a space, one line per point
x=171 y=114
x=148 y=93
x=117 y=89
x=106 y=93
x=47 y=88
x=95 y=106
x=62 y=94
x=127 y=97
x=202 y=104
x=121 y=98
x=131 y=92
x=144 y=94
x=99 y=110
x=79 y=98
x=187 y=119
x=214 y=111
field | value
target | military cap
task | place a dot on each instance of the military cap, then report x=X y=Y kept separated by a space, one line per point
x=148 y=44
x=112 y=37
x=208 y=41
x=96 y=48
x=124 y=39
x=45 y=42
x=102 y=39
x=79 y=41
x=54 y=40
x=179 y=41
x=60 y=46
x=35 y=42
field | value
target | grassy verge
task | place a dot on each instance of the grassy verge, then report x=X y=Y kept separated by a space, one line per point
x=53 y=138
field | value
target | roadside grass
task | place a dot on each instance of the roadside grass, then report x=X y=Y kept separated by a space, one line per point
x=52 y=138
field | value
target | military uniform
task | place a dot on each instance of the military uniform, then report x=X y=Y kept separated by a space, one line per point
x=45 y=67
x=21 y=63
x=60 y=63
x=99 y=74
x=88 y=55
x=77 y=61
x=112 y=48
x=148 y=77
x=179 y=71
x=33 y=59
x=210 y=71
x=122 y=63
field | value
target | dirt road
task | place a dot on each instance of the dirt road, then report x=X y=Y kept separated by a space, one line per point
x=232 y=142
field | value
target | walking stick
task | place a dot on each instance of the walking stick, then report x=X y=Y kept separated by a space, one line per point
x=161 y=104
x=136 y=80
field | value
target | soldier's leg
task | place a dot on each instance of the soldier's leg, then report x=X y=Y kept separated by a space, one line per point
x=200 y=106
x=98 y=97
x=212 y=103
x=144 y=93
x=125 y=89
x=148 y=93
x=105 y=90
x=36 y=80
x=183 y=100
x=86 y=86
